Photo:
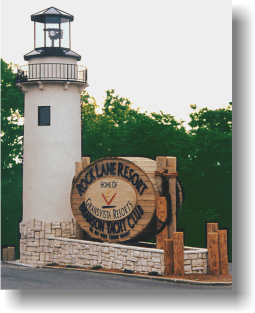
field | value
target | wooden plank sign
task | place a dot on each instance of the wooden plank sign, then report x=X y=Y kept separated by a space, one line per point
x=113 y=199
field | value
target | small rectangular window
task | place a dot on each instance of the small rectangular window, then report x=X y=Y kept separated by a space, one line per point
x=44 y=116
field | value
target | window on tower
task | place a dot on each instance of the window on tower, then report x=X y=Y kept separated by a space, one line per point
x=44 y=116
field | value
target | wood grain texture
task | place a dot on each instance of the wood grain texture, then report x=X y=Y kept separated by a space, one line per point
x=168 y=257
x=211 y=228
x=171 y=167
x=178 y=248
x=223 y=251
x=161 y=212
x=160 y=166
x=213 y=253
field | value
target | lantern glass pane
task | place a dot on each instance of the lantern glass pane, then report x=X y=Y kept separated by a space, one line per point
x=65 y=39
x=39 y=35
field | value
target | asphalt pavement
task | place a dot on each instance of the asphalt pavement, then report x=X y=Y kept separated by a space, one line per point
x=15 y=277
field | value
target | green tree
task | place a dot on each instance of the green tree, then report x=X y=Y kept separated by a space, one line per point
x=121 y=130
x=11 y=156
x=208 y=176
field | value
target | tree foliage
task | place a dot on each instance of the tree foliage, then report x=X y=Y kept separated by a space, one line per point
x=208 y=178
x=121 y=130
x=11 y=152
x=11 y=112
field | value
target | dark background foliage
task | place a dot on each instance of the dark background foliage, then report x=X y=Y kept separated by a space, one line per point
x=11 y=149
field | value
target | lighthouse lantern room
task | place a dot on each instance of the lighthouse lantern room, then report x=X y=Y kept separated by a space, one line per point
x=52 y=28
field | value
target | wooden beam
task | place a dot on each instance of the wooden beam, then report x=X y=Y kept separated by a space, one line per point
x=78 y=168
x=223 y=252
x=168 y=257
x=213 y=253
x=171 y=166
x=160 y=166
x=5 y=254
x=212 y=227
x=11 y=254
x=178 y=248
x=85 y=161
x=161 y=212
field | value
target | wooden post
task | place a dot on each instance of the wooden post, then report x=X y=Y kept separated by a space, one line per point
x=223 y=252
x=168 y=257
x=178 y=248
x=11 y=254
x=160 y=166
x=161 y=211
x=213 y=253
x=171 y=167
x=85 y=161
x=212 y=227
x=5 y=254
x=79 y=166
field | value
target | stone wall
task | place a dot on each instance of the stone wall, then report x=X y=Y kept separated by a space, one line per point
x=45 y=243
x=195 y=260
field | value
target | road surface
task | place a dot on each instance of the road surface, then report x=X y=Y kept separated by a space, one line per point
x=28 y=278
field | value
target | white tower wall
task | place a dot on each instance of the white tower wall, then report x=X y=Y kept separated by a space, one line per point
x=50 y=152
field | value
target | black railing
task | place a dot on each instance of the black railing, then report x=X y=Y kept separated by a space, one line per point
x=51 y=71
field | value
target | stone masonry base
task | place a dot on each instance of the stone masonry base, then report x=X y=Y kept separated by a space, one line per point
x=45 y=243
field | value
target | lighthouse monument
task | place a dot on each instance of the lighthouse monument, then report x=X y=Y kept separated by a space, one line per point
x=75 y=212
x=52 y=83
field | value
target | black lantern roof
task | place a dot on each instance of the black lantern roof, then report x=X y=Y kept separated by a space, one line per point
x=61 y=52
x=54 y=12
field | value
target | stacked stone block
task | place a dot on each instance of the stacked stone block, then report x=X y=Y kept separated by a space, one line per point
x=45 y=243
x=35 y=243
x=195 y=261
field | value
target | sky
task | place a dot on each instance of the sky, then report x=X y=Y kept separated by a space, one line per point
x=161 y=55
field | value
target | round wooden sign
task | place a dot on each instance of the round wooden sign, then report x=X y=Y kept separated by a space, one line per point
x=113 y=199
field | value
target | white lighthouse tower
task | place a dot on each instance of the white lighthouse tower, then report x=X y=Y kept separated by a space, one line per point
x=52 y=83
